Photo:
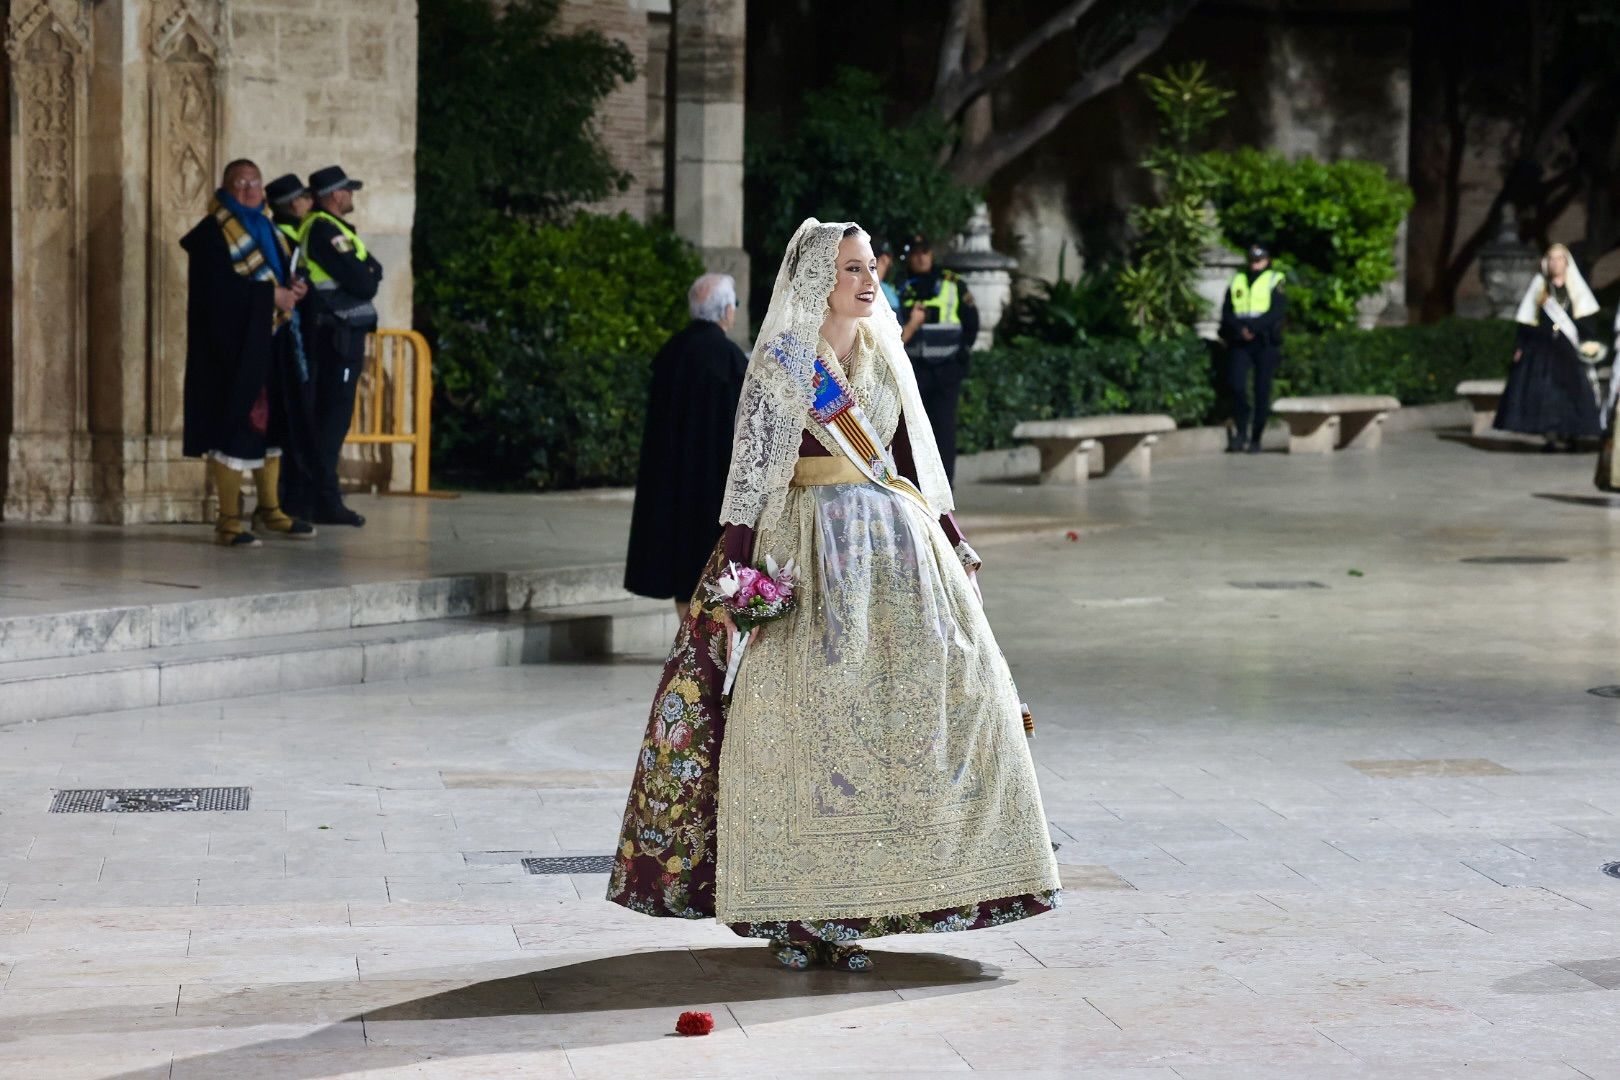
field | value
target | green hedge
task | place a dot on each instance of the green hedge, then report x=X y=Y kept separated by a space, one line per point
x=543 y=340
x=1030 y=380
x=1331 y=226
x=1420 y=365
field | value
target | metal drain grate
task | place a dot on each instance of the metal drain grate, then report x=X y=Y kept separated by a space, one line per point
x=1612 y=869
x=1605 y=691
x=1277 y=585
x=570 y=864
x=148 y=800
x=1514 y=560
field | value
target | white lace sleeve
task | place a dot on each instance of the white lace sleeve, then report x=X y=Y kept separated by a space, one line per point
x=776 y=391
x=770 y=426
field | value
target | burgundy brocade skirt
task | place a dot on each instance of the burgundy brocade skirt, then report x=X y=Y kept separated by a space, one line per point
x=665 y=862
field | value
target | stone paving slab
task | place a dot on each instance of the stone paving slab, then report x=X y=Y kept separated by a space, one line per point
x=1352 y=832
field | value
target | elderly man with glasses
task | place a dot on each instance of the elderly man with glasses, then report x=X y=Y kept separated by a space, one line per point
x=697 y=378
x=241 y=360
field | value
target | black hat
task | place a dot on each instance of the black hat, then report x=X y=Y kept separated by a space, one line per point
x=918 y=243
x=1258 y=252
x=285 y=189
x=330 y=179
x=882 y=247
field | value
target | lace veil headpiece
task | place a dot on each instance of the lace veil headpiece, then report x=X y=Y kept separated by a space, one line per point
x=1580 y=293
x=777 y=391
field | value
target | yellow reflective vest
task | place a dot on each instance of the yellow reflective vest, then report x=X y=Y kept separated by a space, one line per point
x=317 y=275
x=1251 y=298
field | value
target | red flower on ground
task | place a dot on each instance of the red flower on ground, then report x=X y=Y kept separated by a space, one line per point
x=1072 y=535
x=694 y=1023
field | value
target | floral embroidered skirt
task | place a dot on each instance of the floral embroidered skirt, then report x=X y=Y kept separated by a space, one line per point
x=665 y=862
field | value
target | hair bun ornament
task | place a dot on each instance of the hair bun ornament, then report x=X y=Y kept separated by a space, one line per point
x=694 y=1023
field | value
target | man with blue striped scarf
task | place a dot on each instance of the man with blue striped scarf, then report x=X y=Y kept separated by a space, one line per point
x=242 y=369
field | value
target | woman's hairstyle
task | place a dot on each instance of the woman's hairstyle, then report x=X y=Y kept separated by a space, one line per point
x=1546 y=270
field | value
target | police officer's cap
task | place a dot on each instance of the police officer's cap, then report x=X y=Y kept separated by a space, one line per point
x=918 y=243
x=284 y=189
x=330 y=179
x=1258 y=252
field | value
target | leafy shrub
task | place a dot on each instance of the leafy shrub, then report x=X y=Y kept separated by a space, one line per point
x=1331 y=227
x=1034 y=380
x=545 y=334
x=843 y=160
x=505 y=119
x=1420 y=365
x=1065 y=312
x=1160 y=287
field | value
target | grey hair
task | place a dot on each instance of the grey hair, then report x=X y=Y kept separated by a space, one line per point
x=710 y=295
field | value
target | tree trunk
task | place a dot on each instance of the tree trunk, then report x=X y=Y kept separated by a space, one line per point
x=977 y=164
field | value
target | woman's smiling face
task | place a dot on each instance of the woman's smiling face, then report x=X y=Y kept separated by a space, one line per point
x=857 y=290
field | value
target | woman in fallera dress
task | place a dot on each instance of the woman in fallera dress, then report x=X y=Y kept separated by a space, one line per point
x=1550 y=389
x=868 y=774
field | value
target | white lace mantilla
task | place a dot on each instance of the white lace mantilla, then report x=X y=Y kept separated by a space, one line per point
x=774 y=410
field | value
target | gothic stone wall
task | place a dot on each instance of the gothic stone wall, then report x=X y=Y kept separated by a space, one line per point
x=312 y=83
x=122 y=113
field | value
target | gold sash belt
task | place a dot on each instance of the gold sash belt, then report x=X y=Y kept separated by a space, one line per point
x=821 y=471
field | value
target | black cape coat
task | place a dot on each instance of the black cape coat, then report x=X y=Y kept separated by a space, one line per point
x=697 y=378
x=231 y=351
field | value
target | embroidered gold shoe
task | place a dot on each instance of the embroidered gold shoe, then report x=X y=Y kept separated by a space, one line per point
x=844 y=957
x=791 y=955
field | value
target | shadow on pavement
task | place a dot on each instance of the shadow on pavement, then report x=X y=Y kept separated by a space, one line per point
x=1605 y=502
x=593 y=1003
x=1504 y=443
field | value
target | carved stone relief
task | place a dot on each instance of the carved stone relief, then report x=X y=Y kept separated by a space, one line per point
x=186 y=43
x=47 y=45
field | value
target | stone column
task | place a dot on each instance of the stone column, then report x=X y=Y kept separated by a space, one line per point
x=48 y=53
x=708 y=58
x=183 y=51
x=985 y=271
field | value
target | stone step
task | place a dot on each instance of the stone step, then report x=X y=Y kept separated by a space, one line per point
x=215 y=670
x=278 y=613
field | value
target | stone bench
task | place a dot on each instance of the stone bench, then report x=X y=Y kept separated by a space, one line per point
x=1074 y=450
x=1320 y=425
x=1482 y=394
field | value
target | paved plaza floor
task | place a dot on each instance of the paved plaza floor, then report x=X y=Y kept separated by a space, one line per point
x=1332 y=797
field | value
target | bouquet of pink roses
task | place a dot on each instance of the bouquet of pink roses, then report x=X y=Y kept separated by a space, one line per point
x=752 y=596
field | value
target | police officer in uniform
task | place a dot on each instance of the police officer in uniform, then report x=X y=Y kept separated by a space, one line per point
x=1251 y=326
x=344 y=277
x=939 y=324
x=290 y=202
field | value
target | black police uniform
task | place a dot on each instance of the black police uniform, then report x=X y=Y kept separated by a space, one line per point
x=343 y=315
x=1261 y=354
x=301 y=457
x=939 y=352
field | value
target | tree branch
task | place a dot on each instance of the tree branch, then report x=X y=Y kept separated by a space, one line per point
x=978 y=165
x=951 y=48
x=1561 y=117
x=952 y=97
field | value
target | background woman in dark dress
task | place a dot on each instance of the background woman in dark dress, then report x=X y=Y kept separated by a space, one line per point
x=1550 y=390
